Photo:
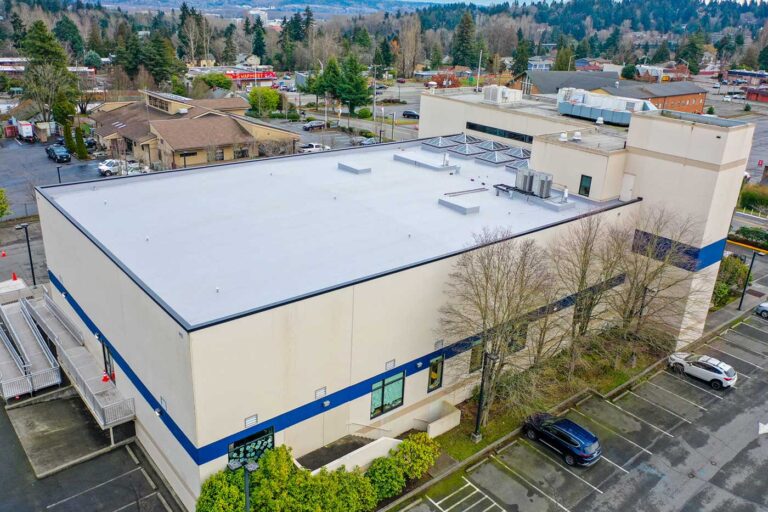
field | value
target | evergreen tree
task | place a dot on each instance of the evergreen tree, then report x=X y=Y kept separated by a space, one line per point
x=522 y=54
x=157 y=56
x=247 y=30
x=69 y=142
x=611 y=45
x=762 y=58
x=68 y=34
x=308 y=22
x=582 y=49
x=361 y=37
x=692 y=52
x=628 y=72
x=353 y=89
x=80 y=149
x=94 y=40
x=385 y=48
x=436 y=56
x=563 y=60
x=19 y=31
x=129 y=56
x=661 y=54
x=259 y=46
x=40 y=47
x=464 y=50
x=92 y=59
x=330 y=81
x=229 y=55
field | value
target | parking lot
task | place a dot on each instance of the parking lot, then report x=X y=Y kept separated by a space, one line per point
x=669 y=443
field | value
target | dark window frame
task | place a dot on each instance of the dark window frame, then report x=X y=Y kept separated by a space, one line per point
x=587 y=188
x=438 y=383
x=500 y=132
x=383 y=385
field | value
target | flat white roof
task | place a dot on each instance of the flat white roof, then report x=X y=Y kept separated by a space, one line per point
x=219 y=242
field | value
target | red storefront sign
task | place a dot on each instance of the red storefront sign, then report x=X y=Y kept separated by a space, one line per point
x=251 y=75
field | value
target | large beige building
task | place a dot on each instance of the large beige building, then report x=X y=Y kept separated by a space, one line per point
x=297 y=300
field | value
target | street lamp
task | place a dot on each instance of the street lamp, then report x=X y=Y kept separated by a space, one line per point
x=58 y=172
x=25 y=227
x=476 y=435
x=749 y=274
x=248 y=467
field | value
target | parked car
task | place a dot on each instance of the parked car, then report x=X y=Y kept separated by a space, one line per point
x=116 y=167
x=58 y=154
x=410 y=114
x=716 y=86
x=762 y=310
x=401 y=80
x=727 y=99
x=313 y=125
x=718 y=374
x=286 y=77
x=576 y=444
x=313 y=147
x=381 y=86
x=739 y=96
x=292 y=89
x=369 y=141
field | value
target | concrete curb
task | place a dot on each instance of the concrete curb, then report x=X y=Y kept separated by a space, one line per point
x=562 y=406
x=82 y=459
x=63 y=392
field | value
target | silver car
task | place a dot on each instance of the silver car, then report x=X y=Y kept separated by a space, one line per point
x=716 y=373
x=762 y=310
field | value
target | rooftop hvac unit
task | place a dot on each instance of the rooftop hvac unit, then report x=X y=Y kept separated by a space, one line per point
x=524 y=180
x=542 y=184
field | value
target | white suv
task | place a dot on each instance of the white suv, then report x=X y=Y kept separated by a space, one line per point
x=312 y=147
x=718 y=374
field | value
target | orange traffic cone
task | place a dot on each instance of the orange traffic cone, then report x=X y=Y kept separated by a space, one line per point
x=2 y=254
x=105 y=377
x=13 y=276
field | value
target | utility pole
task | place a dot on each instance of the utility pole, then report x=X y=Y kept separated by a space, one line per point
x=374 y=97
x=479 y=60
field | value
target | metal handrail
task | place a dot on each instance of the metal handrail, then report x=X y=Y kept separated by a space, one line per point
x=25 y=307
x=61 y=317
x=12 y=350
x=20 y=349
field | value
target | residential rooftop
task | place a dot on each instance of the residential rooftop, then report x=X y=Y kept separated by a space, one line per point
x=216 y=243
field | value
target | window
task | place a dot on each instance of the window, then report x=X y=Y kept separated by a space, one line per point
x=387 y=394
x=499 y=132
x=435 y=373
x=585 y=185
x=219 y=154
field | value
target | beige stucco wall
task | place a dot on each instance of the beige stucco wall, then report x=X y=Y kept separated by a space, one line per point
x=155 y=347
x=442 y=115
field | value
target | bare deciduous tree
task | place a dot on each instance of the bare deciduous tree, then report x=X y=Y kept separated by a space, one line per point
x=44 y=84
x=492 y=291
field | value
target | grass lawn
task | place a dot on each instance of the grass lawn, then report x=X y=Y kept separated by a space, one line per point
x=596 y=371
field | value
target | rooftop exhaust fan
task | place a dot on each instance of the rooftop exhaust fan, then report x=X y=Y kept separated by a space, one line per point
x=563 y=137
x=600 y=121
x=576 y=137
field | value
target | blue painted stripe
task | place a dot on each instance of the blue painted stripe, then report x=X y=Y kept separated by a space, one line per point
x=304 y=412
x=692 y=258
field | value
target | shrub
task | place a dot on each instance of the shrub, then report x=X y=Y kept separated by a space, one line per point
x=721 y=294
x=416 y=454
x=386 y=476
x=219 y=80
x=222 y=492
x=310 y=118
x=733 y=273
x=263 y=100
x=276 y=115
x=753 y=234
x=293 y=116
x=367 y=133
x=69 y=142
x=747 y=107
x=754 y=197
x=711 y=110
x=364 y=113
x=81 y=150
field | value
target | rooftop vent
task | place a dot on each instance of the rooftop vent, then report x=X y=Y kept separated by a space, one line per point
x=563 y=137
x=576 y=137
x=354 y=169
x=460 y=204
x=600 y=121
x=465 y=139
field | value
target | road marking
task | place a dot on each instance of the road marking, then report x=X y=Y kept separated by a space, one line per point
x=453 y=493
x=521 y=477
x=133 y=456
x=137 y=502
x=433 y=502
x=565 y=468
x=609 y=429
x=610 y=461
x=678 y=396
x=510 y=445
x=460 y=501
x=693 y=385
x=164 y=503
x=640 y=419
x=735 y=357
x=92 y=488
x=476 y=488
x=660 y=407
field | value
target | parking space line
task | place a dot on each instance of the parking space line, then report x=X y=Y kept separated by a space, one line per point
x=693 y=385
x=149 y=480
x=543 y=453
x=735 y=357
x=678 y=396
x=133 y=456
x=745 y=335
x=640 y=419
x=137 y=502
x=433 y=502
x=614 y=464
x=660 y=407
x=476 y=488
x=118 y=477
x=460 y=501
x=521 y=477
x=453 y=493
x=609 y=429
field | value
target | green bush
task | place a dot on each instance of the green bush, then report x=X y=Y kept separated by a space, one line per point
x=364 y=113
x=733 y=273
x=276 y=115
x=753 y=234
x=754 y=197
x=721 y=294
x=747 y=108
x=367 y=133
x=293 y=116
x=69 y=142
x=263 y=100
x=310 y=118
x=80 y=149
x=387 y=477
x=222 y=492
x=711 y=110
x=416 y=454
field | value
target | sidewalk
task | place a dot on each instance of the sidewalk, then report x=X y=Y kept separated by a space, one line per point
x=718 y=319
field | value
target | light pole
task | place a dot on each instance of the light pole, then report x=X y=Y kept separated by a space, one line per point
x=25 y=227
x=393 y=126
x=749 y=274
x=58 y=172
x=248 y=467
x=476 y=435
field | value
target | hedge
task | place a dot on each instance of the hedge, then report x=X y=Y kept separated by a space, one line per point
x=364 y=113
x=754 y=197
